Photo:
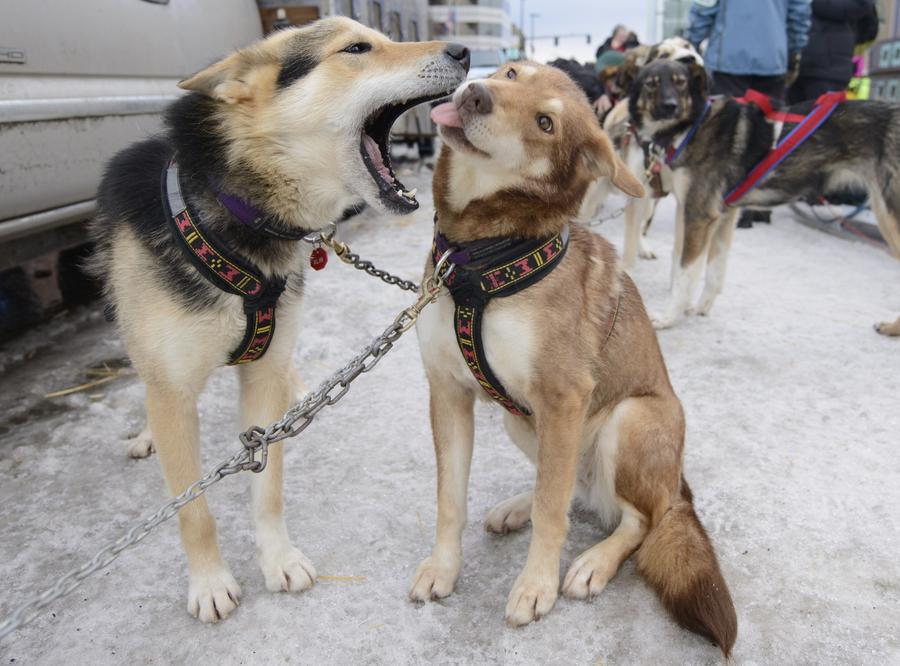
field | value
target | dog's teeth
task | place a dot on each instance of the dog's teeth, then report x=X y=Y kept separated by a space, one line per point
x=411 y=194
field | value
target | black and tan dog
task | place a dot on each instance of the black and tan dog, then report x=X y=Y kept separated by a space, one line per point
x=198 y=242
x=587 y=392
x=859 y=143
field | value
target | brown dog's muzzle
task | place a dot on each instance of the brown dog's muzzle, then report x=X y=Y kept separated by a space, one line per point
x=476 y=98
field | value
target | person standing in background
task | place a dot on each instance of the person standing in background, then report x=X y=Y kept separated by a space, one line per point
x=750 y=44
x=838 y=26
x=615 y=42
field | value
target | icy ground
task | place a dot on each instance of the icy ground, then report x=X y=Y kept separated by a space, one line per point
x=793 y=408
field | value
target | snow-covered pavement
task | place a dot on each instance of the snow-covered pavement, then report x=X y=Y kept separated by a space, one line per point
x=793 y=411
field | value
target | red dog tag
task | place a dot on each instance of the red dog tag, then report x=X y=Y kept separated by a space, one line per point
x=318 y=258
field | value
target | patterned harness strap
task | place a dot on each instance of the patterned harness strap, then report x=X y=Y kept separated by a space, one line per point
x=494 y=268
x=228 y=273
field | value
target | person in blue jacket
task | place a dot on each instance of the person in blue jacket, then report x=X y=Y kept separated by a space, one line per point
x=751 y=44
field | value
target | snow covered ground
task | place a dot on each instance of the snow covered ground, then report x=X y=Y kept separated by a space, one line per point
x=793 y=408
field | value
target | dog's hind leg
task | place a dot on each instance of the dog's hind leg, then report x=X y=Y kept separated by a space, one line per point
x=886 y=206
x=694 y=228
x=720 y=248
x=644 y=249
x=889 y=329
x=172 y=414
x=515 y=512
x=141 y=445
x=267 y=390
x=637 y=212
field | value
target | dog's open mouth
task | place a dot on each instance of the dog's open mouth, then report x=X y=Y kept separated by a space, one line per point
x=376 y=154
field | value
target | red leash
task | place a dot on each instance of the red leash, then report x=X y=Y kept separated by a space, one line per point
x=806 y=127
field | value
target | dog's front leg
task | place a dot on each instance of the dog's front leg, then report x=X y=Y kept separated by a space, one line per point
x=267 y=389
x=452 y=426
x=559 y=427
x=212 y=591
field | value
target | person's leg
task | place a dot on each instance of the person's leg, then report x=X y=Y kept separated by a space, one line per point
x=731 y=85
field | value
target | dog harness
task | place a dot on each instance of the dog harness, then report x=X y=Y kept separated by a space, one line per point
x=805 y=127
x=493 y=268
x=227 y=272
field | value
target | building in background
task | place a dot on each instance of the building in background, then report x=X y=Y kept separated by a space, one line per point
x=482 y=25
x=884 y=56
x=667 y=18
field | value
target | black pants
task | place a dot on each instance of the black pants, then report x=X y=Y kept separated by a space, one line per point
x=812 y=88
x=735 y=85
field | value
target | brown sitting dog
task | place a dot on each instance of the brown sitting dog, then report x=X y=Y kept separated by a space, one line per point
x=539 y=315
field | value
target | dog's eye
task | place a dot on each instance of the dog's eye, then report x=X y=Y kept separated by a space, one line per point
x=359 y=47
x=511 y=74
x=545 y=124
x=652 y=83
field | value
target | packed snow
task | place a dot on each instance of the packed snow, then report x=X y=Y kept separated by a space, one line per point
x=793 y=412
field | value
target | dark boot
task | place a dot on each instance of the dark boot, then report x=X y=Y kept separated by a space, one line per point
x=745 y=221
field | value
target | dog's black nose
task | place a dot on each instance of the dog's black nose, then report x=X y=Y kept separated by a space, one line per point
x=459 y=53
x=476 y=98
x=669 y=107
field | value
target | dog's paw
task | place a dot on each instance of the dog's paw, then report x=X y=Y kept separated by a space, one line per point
x=644 y=252
x=287 y=569
x=588 y=575
x=434 y=579
x=213 y=595
x=662 y=322
x=509 y=515
x=889 y=328
x=141 y=446
x=531 y=598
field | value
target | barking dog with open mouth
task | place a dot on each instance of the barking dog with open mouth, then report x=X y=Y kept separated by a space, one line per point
x=539 y=316
x=723 y=140
x=272 y=142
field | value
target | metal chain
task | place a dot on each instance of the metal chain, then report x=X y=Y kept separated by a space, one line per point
x=253 y=457
x=342 y=250
x=606 y=218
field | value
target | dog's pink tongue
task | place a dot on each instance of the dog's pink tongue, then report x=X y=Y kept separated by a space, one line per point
x=446 y=114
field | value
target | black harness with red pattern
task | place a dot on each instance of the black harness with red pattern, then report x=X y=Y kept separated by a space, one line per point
x=229 y=273
x=486 y=269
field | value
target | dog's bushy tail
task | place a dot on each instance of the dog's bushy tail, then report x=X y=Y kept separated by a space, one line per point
x=678 y=561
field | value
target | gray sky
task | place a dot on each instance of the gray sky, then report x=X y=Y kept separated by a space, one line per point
x=570 y=16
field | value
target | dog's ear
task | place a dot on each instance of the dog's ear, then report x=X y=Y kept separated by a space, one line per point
x=223 y=80
x=700 y=82
x=628 y=71
x=602 y=162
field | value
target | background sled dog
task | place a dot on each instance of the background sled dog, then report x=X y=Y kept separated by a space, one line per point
x=295 y=127
x=576 y=349
x=666 y=100
x=639 y=211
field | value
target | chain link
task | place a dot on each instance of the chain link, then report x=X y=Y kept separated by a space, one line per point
x=253 y=457
x=342 y=250
x=606 y=218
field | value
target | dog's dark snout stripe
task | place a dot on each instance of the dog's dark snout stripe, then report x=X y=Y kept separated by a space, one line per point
x=294 y=68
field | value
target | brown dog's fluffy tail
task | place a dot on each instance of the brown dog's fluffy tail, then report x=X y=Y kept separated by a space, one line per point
x=678 y=561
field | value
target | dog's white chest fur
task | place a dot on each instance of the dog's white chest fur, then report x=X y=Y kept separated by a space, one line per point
x=509 y=344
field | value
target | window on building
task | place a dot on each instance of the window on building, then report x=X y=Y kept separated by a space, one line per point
x=414 y=31
x=376 y=17
x=395 y=27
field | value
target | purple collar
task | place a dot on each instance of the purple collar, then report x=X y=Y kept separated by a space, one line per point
x=254 y=218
